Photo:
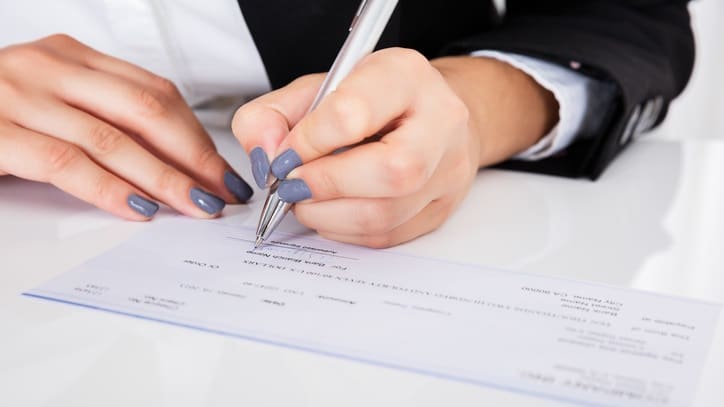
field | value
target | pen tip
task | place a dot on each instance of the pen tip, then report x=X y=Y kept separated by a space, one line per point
x=258 y=242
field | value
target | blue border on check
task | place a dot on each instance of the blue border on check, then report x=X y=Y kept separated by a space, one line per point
x=323 y=352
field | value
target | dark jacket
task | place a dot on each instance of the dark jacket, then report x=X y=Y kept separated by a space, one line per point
x=643 y=48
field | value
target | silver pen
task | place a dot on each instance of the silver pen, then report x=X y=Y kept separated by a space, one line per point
x=364 y=33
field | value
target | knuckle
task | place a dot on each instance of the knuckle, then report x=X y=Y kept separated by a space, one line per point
x=255 y=124
x=105 y=138
x=244 y=116
x=408 y=57
x=306 y=80
x=165 y=180
x=9 y=90
x=328 y=185
x=206 y=157
x=62 y=156
x=61 y=39
x=103 y=187
x=374 y=218
x=240 y=116
x=243 y=112
x=252 y=110
x=406 y=173
x=150 y=104
x=23 y=57
x=166 y=87
x=306 y=137
x=351 y=113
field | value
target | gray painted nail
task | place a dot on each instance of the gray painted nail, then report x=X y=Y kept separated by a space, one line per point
x=285 y=163
x=237 y=186
x=294 y=190
x=142 y=205
x=259 y=166
x=209 y=203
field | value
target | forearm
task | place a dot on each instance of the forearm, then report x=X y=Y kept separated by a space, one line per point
x=507 y=114
x=641 y=52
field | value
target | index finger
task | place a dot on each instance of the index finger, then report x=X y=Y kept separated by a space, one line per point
x=261 y=124
x=378 y=91
x=163 y=122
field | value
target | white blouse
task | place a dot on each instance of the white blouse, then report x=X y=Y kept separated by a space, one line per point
x=205 y=48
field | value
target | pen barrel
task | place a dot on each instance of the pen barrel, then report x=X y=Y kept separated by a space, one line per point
x=365 y=31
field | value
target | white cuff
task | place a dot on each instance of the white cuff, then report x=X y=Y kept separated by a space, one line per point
x=571 y=89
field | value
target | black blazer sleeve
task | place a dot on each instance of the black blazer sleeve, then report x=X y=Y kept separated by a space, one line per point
x=644 y=48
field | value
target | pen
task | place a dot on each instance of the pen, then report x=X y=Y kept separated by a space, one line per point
x=369 y=21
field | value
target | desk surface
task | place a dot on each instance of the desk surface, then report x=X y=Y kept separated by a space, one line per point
x=653 y=222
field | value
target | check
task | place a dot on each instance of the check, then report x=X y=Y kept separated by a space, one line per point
x=587 y=343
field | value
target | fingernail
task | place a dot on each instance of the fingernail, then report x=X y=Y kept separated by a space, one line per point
x=293 y=190
x=237 y=186
x=259 y=166
x=142 y=205
x=208 y=203
x=285 y=163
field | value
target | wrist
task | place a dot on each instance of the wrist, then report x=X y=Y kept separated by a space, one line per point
x=509 y=110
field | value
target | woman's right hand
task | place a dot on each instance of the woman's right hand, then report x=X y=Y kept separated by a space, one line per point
x=108 y=132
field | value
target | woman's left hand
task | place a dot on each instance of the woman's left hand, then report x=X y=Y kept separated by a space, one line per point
x=427 y=146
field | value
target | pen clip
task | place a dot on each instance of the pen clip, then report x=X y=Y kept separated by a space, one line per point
x=357 y=14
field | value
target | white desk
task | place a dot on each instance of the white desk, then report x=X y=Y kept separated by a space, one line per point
x=653 y=222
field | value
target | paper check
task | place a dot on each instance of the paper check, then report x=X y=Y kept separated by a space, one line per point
x=586 y=343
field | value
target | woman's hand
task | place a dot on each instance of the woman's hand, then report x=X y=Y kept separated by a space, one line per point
x=435 y=123
x=108 y=132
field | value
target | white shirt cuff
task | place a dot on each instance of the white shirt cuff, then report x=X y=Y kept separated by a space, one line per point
x=571 y=89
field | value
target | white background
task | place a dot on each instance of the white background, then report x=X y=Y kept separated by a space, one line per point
x=699 y=112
